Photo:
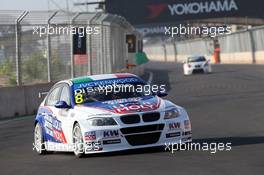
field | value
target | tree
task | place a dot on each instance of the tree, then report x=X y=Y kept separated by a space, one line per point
x=8 y=73
x=34 y=68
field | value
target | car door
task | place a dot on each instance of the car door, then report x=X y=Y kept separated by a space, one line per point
x=58 y=119
x=65 y=115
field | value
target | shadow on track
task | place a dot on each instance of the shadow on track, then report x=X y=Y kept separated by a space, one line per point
x=235 y=141
x=116 y=153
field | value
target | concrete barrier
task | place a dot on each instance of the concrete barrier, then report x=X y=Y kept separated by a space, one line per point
x=242 y=47
x=232 y=58
x=259 y=55
x=236 y=58
x=21 y=100
x=226 y=58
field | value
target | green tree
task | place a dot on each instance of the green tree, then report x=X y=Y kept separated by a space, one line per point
x=34 y=68
x=58 y=69
x=7 y=70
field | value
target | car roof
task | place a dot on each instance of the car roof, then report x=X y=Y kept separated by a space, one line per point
x=100 y=77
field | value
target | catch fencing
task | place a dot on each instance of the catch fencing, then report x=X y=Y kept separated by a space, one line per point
x=243 y=47
x=28 y=55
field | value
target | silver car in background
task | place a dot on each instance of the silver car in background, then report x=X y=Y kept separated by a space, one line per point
x=196 y=64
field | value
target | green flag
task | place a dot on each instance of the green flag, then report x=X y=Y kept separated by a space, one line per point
x=141 y=58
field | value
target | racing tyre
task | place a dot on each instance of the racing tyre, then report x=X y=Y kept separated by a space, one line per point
x=38 y=140
x=78 y=141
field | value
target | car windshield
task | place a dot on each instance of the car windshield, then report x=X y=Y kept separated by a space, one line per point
x=196 y=59
x=110 y=92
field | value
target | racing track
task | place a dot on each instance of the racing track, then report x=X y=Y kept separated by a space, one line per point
x=225 y=106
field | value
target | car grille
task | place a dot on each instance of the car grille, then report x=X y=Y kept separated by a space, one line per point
x=138 y=135
x=130 y=119
x=198 y=71
x=135 y=118
x=151 y=117
x=143 y=139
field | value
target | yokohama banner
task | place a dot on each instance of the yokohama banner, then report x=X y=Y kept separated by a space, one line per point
x=144 y=12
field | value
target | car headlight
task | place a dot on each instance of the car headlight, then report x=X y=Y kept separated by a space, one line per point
x=106 y=121
x=171 y=113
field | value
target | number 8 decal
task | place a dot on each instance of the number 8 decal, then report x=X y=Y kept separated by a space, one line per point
x=78 y=98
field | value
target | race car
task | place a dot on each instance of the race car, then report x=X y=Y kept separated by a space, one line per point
x=196 y=64
x=87 y=115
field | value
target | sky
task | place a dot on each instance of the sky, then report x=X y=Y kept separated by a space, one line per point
x=41 y=5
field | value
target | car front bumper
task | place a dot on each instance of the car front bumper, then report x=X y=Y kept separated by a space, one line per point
x=190 y=71
x=134 y=137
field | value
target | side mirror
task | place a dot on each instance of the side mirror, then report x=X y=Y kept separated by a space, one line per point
x=161 y=94
x=62 y=105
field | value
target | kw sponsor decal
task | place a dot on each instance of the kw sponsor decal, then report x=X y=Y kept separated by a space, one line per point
x=173 y=126
x=110 y=133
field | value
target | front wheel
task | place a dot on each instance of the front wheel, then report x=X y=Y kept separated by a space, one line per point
x=78 y=141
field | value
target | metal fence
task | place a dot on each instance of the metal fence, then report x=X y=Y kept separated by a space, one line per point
x=238 y=47
x=29 y=58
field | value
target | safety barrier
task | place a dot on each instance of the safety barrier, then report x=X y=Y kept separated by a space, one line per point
x=21 y=100
x=244 y=47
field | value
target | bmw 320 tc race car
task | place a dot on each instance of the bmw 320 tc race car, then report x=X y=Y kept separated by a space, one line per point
x=81 y=115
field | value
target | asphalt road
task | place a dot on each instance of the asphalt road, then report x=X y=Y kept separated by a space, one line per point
x=225 y=106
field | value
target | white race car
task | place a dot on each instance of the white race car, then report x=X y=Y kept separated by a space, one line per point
x=77 y=116
x=196 y=64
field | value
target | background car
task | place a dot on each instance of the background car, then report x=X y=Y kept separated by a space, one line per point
x=196 y=64
x=77 y=116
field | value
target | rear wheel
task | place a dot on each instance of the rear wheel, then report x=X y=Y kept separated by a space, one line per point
x=78 y=141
